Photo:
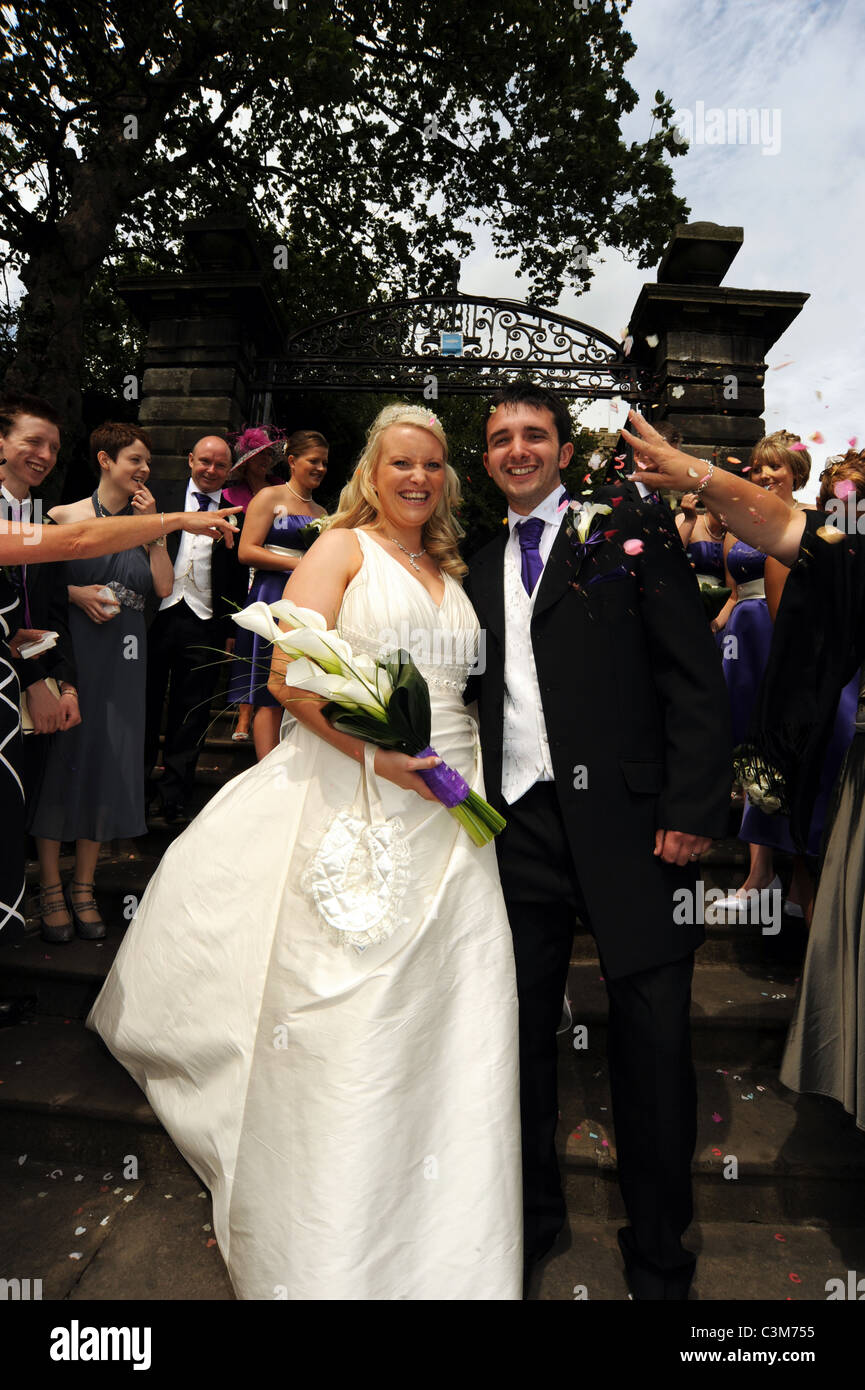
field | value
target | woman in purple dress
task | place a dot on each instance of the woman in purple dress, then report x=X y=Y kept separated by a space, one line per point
x=254 y=452
x=274 y=517
x=780 y=464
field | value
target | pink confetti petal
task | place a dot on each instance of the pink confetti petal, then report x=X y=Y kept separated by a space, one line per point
x=798 y=447
x=844 y=488
x=853 y=442
x=816 y=437
x=717 y=1118
x=633 y=547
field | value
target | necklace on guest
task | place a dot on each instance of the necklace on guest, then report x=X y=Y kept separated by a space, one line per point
x=711 y=533
x=299 y=495
x=101 y=509
x=412 y=556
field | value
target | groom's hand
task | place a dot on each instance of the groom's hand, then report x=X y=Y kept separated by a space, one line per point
x=675 y=847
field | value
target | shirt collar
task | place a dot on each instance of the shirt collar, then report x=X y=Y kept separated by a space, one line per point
x=192 y=489
x=548 y=510
x=24 y=504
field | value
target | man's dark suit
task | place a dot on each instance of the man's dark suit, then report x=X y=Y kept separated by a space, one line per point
x=177 y=662
x=632 y=693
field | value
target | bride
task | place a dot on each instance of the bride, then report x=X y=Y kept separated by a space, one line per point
x=352 y=1107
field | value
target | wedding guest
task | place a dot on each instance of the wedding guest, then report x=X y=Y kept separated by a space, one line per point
x=274 y=516
x=703 y=539
x=193 y=623
x=818 y=645
x=92 y=789
x=44 y=544
x=29 y=444
x=254 y=451
x=781 y=469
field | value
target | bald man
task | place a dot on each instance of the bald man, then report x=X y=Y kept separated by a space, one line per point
x=209 y=585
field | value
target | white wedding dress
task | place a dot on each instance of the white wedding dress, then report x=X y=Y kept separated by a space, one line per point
x=354 y=1112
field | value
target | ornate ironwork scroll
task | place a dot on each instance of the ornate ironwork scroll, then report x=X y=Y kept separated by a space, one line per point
x=396 y=346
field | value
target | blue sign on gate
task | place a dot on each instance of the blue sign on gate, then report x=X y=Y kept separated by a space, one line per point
x=451 y=344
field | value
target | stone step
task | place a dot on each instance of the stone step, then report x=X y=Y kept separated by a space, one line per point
x=737 y=1261
x=94 y=1234
x=145 y=1240
x=763 y=1154
x=737 y=1016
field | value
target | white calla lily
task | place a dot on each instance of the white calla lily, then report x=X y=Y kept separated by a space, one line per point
x=257 y=618
x=326 y=648
x=588 y=512
x=344 y=691
x=287 y=612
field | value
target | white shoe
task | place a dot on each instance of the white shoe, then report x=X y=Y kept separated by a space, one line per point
x=738 y=901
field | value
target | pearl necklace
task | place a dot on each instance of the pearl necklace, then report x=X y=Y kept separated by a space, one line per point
x=412 y=556
x=298 y=495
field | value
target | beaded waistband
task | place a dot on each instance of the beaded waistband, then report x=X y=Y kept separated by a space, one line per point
x=127 y=598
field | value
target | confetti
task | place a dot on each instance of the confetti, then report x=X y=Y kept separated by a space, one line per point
x=717 y=1118
x=105 y=1220
x=605 y=1143
x=749 y=1096
x=794 y=1278
x=731 y=458
x=76 y=1255
x=780 y=1237
x=677 y=392
x=798 y=447
x=627 y=345
x=851 y=443
x=819 y=395
x=211 y=1243
x=761 y=1088
x=781 y=365
x=693 y=473
x=117 y=1191
x=652 y=339
x=592 y=1134
x=130 y=1198
x=106 y=1177
x=79 y=1230
x=57 y=1173
x=167 y=1196
x=816 y=438
x=619 y=458
x=208 y=1227
x=717 y=1153
x=830 y=534
x=79 y=1177
x=633 y=547
x=22 y=1158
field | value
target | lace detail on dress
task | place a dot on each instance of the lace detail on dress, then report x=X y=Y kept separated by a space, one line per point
x=360 y=871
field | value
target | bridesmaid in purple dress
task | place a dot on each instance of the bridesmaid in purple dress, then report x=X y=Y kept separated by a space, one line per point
x=254 y=454
x=780 y=469
x=272 y=519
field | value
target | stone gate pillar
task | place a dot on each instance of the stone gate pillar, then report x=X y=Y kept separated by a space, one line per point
x=205 y=328
x=709 y=358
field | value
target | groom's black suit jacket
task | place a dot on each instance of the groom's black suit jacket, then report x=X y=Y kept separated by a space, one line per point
x=632 y=690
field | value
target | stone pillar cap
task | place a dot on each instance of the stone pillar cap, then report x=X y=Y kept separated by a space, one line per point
x=699 y=253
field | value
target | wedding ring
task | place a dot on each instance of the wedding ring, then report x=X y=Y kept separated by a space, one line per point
x=695 y=856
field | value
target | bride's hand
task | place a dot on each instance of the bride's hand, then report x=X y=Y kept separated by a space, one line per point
x=402 y=770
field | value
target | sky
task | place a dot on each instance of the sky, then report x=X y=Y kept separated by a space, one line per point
x=802 y=208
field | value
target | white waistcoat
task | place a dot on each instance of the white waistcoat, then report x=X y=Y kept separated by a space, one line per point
x=525 y=748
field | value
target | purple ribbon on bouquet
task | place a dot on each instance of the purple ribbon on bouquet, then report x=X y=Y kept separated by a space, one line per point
x=581 y=547
x=445 y=782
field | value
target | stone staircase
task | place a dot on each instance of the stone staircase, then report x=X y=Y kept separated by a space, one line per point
x=779 y=1178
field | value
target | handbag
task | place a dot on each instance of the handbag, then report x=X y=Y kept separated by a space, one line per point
x=359 y=874
x=26 y=716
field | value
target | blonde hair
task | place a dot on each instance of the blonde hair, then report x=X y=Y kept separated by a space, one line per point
x=775 y=449
x=358 y=501
x=849 y=466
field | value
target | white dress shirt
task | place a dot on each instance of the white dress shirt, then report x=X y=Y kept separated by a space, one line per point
x=16 y=509
x=525 y=746
x=192 y=581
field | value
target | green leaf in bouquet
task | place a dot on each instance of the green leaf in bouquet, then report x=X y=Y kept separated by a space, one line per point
x=363 y=726
x=714 y=597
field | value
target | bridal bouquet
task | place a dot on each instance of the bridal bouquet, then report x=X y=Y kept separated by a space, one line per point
x=763 y=784
x=384 y=702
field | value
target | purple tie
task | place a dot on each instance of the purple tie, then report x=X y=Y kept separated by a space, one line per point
x=203 y=501
x=529 y=534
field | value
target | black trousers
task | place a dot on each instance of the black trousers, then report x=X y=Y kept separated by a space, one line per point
x=649 y=1050
x=177 y=663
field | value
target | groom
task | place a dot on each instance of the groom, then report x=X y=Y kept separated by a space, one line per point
x=604 y=726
